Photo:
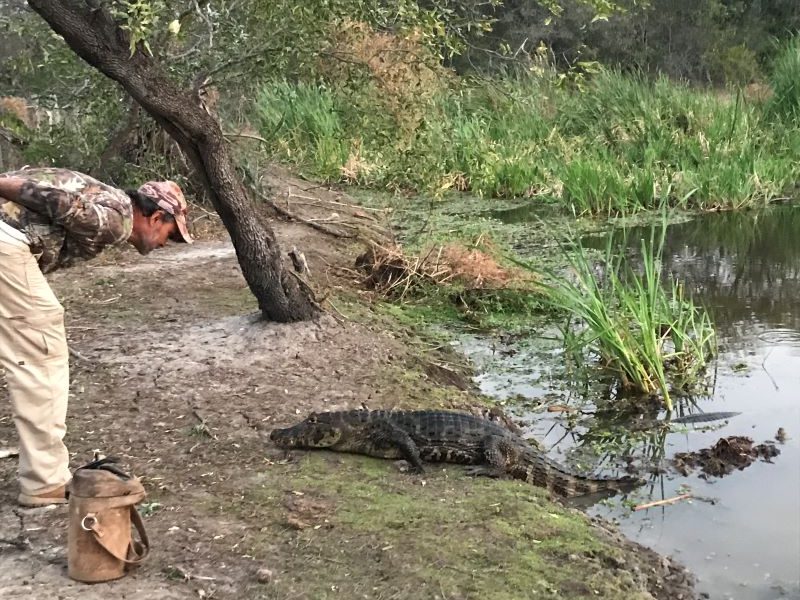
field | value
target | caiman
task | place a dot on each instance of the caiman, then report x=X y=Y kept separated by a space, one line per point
x=441 y=436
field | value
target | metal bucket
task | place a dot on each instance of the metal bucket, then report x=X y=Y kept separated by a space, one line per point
x=102 y=509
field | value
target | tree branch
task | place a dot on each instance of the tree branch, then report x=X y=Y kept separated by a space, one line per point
x=95 y=37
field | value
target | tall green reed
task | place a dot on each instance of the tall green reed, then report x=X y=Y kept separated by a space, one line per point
x=303 y=123
x=614 y=147
x=648 y=334
x=785 y=81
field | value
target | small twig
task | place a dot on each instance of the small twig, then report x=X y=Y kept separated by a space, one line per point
x=333 y=306
x=290 y=215
x=8 y=452
x=207 y=213
x=202 y=426
x=331 y=560
x=662 y=502
x=200 y=218
x=257 y=53
x=764 y=367
x=317 y=201
x=307 y=288
x=79 y=356
x=246 y=135
x=198 y=416
x=189 y=576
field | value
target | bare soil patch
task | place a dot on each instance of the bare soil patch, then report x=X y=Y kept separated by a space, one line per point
x=174 y=374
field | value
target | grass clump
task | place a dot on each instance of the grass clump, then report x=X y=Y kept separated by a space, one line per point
x=304 y=119
x=618 y=144
x=785 y=80
x=651 y=337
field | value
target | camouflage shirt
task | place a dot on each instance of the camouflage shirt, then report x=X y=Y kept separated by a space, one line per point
x=68 y=216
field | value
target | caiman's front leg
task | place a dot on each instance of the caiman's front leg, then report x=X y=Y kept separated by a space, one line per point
x=496 y=454
x=385 y=434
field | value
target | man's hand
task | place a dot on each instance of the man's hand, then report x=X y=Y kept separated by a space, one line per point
x=10 y=188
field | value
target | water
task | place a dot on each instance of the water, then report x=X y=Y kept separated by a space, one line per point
x=745 y=268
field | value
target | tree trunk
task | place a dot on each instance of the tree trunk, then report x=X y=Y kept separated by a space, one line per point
x=93 y=35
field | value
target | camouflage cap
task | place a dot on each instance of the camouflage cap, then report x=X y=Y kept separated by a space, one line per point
x=169 y=197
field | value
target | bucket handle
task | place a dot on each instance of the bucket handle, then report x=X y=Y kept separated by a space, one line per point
x=138 y=551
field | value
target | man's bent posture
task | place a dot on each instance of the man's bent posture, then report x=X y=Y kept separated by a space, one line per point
x=51 y=218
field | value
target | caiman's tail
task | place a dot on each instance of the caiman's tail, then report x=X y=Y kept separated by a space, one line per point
x=544 y=472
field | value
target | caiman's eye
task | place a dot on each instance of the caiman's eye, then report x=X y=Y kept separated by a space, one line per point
x=312 y=418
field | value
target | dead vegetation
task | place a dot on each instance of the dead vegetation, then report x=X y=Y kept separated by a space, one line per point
x=393 y=272
x=404 y=71
x=19 y=109
x=723 y=458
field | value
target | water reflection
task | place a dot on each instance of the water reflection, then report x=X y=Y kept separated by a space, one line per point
x=745 y=268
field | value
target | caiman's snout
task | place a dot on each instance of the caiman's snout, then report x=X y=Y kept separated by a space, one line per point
x=311 y=433
x=283 y=438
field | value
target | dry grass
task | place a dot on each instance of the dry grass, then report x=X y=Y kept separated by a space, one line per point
x=18 y=108
x=405 y=73
x=355 y=167
x=393 y=272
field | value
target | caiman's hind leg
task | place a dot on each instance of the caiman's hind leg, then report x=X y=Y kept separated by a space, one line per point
x=385 y=435
x=496 y=454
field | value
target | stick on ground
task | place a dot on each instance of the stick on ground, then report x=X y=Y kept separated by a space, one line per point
x=9 y=452
x=662 y=502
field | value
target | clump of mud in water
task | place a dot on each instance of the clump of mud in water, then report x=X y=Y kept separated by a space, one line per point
x=724 y=457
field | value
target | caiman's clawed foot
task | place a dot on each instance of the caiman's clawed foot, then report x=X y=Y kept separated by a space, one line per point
x=406 y=467
x=484 y=471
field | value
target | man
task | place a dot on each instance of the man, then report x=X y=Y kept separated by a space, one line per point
x=49 y=219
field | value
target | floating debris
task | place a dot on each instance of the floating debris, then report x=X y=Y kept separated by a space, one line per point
x=705 y=417
x=727 y=455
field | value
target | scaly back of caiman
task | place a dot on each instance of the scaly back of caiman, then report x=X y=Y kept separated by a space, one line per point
x=441 y=436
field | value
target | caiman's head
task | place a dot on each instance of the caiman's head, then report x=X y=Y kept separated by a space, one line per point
x=317 y=431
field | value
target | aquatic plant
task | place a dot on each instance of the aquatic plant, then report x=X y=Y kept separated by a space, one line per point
x=649 y=334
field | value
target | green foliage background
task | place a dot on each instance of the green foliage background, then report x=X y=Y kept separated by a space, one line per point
x=584 y=103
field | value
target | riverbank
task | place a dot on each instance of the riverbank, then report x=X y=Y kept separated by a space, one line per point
x=174 y=375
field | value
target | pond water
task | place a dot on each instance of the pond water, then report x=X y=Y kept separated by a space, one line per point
x=742 y=540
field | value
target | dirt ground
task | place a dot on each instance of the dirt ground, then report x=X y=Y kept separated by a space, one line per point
x=174 y=374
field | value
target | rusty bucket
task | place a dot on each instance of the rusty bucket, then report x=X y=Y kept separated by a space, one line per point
x=102 y=514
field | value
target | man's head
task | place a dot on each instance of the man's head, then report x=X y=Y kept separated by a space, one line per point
x=159 y=214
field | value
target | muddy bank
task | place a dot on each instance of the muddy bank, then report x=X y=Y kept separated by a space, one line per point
x=174 y=375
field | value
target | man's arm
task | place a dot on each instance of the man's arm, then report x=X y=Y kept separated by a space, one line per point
x=10 y=188
x=94 y=220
